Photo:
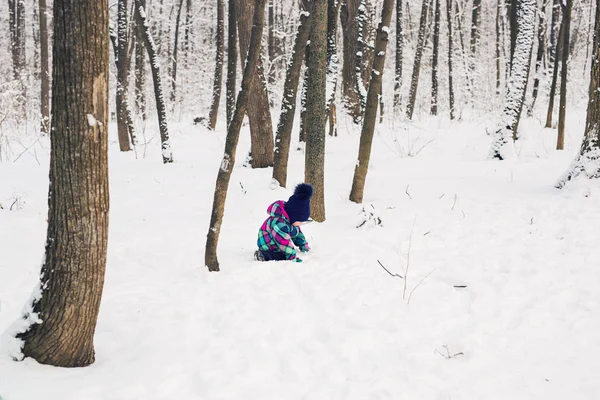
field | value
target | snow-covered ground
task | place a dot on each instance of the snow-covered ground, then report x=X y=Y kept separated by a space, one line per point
x=337 y=326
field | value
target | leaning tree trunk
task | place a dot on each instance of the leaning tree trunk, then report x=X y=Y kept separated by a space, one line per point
x=175 y=54
x=414 y=83
x=45 y=70
x=557 y=57
x=233 y=134
x=64 y=313
x=399 y=52
x=562 y=109
x=450 y=39
x=314 y=170
x=161 y=110
x=259 y=116
x=231 y=61
x=288 y=102
x=539 y=55
x=122 y=76
x=218 y=82
x=368 y=129
x=140 y=70
x=435 y=58
x=350 y=96
x=588 y=161
x=517 y=82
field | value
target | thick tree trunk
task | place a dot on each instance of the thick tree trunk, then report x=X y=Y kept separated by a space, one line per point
x=562 y=109
x=45 y=69
x=399 y=54
x=122 y=76
x=288 y=102
x=450 y=73
x=259 y=116
x=176 y=53
x=233 y=134
x=557 y=57
x=140 y=69
x=588 y=161
x=161 y=110
x=368 y=129
x=350 y=95
x=218 y=82
x=517 y=83
x=414 y=83
x=231 y=60
x=314 y=170
x=435 y=58
x=65 y=313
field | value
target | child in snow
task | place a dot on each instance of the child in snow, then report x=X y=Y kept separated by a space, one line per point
x=281 y=231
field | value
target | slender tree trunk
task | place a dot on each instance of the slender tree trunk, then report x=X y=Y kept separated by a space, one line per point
x=233 y=134
x=140 y=70
x=259 y=116
x=63 y=317
x=218 y=82
x=562 y=110
x=450 y=74
x=161 y=110
x=288 y=102
x=475 y=26
x=557 y=57
x=231 y=60
x=514 y=27
x=588 y=161
x=517 y=84
x=333 y=12
x=539 y=55
x=554 y=28
x=45 y=70
x=187 y=28
x=176 y=53
x=399 y=54
x=314 y=170
x=271 y=42
x=17 y=43
x=350 y=95
x=122 y=76
x=414 y=83
x=499 y=12
x=435 y=58
x=368 y=129
x=361 y=49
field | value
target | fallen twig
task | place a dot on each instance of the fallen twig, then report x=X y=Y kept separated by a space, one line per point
x=386 y=270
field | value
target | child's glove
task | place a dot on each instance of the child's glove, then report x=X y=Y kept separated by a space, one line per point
x=304 y=248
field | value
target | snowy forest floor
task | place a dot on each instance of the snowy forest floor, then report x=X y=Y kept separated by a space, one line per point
x=337 y=326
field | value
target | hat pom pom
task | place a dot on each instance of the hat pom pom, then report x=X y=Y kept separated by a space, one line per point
x=303 y=191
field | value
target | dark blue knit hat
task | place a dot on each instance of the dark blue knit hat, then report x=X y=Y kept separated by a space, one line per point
x=298 y=206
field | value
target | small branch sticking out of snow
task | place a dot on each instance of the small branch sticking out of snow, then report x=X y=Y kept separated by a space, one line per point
x=406 y=191
x=386 y=270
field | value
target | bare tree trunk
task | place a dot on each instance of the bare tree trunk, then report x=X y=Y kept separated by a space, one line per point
x=350 y=95
x=175 y=54
x=314 y=170
x=17 y=42
x=45 y=69
x=517 y=85
x=361 y=48
x=271 y=42
x=450 y=41
x=435 y=57
x=259 y=116
x=399 y=54
x=562 y=110
x=233 y=134
x=539 y=55
x=333 y=12
x=554 y=28
x=475 y=26
x=414 y=83
x=368 y=129
x=288 y=102
x=218 y=82
x=231 y=60
x=140 y=70
x=514 y=28
x=557 y=57
x=161 y=110
x=187 y=28
x=588 y=161
x=63 y=317
x=499 y=10
x=122 y=76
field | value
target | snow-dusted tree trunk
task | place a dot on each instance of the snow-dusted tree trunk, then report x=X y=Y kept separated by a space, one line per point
x=368 y=129
x=219 y=57
x=450 y=73
x=399 y=54
x=506 y=131
x=435 y=59
x=288 y=102
x=231 y=141
x=122 y=76
x=554 y=30
x=161 y=110
x=316 y=114
x=475 y=12
x=499 y=13
x=45 y=69
x=16 y=12
x=539 y=55
x=140 y=70
x=361 y=48
x=567 y=6
x=175 y=55
x=333 y=12
x=588 y=161
x=414 y=82
x=350 y=95
x=231 y=60
x=557 y=57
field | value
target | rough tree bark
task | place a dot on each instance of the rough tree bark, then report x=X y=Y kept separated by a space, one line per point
x=161 y=110
x=314 y=170
x=539 y=56
x=218 y=81
x=517 y=82
x=140 y=70
x=233 y=134
x=567 y=7
x=557 y=57
x=333 y=12
x=450 y=40
x=499 y=13
x=399 y=54
x=288 y=102
x=63 y=316
x=122 y=76
x=368 y=129
x=175 y=55
x=435 y=58
x=231 y=60
x=45 y=69
x=554 y=28
x=475 y=27
x=350 y=96
x=259 y=116
x=587 y=163
x=414 y=82
x=16 y=11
